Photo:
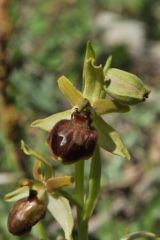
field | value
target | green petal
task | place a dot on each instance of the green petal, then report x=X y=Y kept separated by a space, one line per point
x=70 y=92
x=48 y=123
x=57 y=182
x=37 y=156
x=37 y=171
x=18 y=194
x=103 y=106
x=60 y=209
x=109 y=139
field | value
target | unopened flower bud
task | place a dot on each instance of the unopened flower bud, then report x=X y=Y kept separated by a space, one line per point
x=24 y=214
x=125 y=87
x=74 y=139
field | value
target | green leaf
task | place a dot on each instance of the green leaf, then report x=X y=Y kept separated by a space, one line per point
x=109 y=139
x=93 y=80
x=60 y=209
x=103 y=106
x=37 y=156
x=48 y=123
x=69 y=91
x=17 y=194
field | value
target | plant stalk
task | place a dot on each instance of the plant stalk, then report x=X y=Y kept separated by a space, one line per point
x=93 y=186
x=79 y=181
x=85 y=212
x=83 y=230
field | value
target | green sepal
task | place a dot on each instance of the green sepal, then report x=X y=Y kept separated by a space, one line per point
x=17 y=194
x=37 y=156
x=90 y=54
x=109 y=138
x=107 y=64
x=93 y=80
x=125 y=87
x=103 y=106
x=69 y=91
x=48 y=123
x=60 y=209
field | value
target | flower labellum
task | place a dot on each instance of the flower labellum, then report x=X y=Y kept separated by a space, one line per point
x=74 y=139
x=25 y=213
x=125 y=87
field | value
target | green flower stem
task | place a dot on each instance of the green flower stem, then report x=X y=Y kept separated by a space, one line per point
x=84 y=214
x=83 y=230
x=79 y=179
x=94 y=186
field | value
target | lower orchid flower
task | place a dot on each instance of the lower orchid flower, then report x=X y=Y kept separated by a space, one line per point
x=35 y=196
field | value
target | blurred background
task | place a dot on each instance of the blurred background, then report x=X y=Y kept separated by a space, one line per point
x=42 y=39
